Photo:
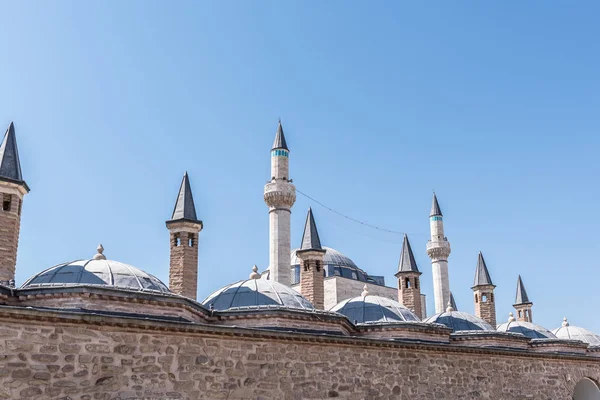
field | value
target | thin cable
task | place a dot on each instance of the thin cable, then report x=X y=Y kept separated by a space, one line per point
x=350 y=218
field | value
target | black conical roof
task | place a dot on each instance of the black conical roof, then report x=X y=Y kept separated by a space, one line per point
x=435 y=207
x=521 y=297
x=280 y=142
x=310 y=237
x=10 y=166
x=184 y=206
x=407 y=259
x=453 y=302
x=482 y=275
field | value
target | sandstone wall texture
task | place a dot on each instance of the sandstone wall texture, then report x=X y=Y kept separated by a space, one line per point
x=78 y=358
x=183 y=271
x=10 y=224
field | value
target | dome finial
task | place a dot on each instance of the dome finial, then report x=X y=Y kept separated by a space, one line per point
x=511 y=317
x=100 y=250
x=565 y=322
x=254 y=274
x=449 y=308
x=365 y=292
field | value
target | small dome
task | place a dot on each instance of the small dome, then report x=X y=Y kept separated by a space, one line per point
x=528 y=329
x=96 y=271
x=374 y=309
x=255 y=292
x=567 y=331
x=460 y=321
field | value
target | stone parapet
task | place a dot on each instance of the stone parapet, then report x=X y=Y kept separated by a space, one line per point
x=52 y=355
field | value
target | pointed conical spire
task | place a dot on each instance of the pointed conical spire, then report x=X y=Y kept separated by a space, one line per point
x=310 y=238
x=435 y=207
x=407 y=259
x=453 y=302
x=482 y=275
x=10 y=166
x=280 y=142
x=184 y=207
x=521 y=297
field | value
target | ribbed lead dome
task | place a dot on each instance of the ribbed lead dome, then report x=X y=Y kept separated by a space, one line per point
x=528 y=329
x=331 y=257
x=367 y=309
x=460 y=321
x=567 y=331
x=256 y=293
x=96 y=272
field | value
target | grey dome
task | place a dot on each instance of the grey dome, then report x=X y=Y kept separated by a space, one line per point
x=331 y=257
x=460 y=321
x=528 y=329
x=96 y=272
x=374 y=309
x=567 y=331
x=336 y=264
x=256 y=293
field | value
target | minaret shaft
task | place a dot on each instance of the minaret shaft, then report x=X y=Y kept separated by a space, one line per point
x=438 y=249
x=280 y=196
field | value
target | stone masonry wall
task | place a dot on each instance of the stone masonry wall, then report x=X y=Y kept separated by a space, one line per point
x=410 y=295
x=10 y=224
x=485 y=310
x=311 y=278
x=183 y=272
x=72 y=359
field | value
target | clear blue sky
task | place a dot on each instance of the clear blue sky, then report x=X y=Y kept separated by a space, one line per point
x=492 y=104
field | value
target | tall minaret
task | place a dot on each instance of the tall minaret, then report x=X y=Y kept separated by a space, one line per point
x=12 y=190
x=184 y=227
x=438 y=249
x=280 y=196
x=522 y=303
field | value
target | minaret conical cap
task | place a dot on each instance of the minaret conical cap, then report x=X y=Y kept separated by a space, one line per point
x=10 y=165
x=184 y=206
x=435 y=207
x=279 y=142
x=310 y=237
x=453 y=302
x=482 y=275
x=407 y=259
x=521 y=297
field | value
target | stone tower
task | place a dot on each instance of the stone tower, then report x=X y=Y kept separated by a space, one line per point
x=184 y=228
x=438 y=249
x=12 y=190
x=522 y=304
x=311 y=264
x=280 y=196
x=483 y=290
x=409 y=287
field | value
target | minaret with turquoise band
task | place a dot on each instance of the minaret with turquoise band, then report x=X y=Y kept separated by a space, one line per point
x=280 y=196
x=438 y=249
